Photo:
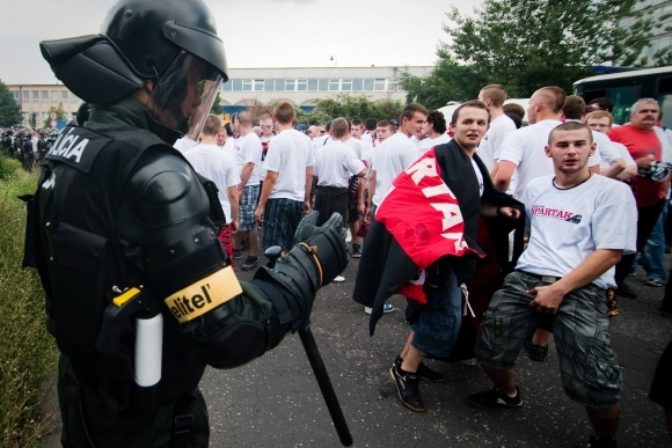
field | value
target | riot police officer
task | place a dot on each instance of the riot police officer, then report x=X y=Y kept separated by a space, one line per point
x=124 y=236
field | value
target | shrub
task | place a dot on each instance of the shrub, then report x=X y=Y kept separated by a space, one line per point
x=27 y=352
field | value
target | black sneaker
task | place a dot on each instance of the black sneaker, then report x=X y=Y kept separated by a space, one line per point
x=625 y=291
x=238 y=254
x=424 y=372
x=495 y=399
x=594 y=442
x=356 y=251
x=407 y=389
x=249 y=264
x=536 y=352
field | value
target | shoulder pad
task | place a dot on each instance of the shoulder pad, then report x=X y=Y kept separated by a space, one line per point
x=164 y=192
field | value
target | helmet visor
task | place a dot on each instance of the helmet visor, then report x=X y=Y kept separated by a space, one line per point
x=184 y=94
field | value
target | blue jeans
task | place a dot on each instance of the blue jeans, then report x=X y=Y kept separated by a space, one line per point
x=653 y=254
x=438 y=324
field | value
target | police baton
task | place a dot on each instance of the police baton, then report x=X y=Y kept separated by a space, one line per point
x=320 y=370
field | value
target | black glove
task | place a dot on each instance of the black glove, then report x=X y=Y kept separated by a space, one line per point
x=318 y=256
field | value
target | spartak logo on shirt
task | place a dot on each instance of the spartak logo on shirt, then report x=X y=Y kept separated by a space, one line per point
x=556 y=213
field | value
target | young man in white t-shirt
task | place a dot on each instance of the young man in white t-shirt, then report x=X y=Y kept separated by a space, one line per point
x=394 y=154
x=249 y=152
x=220 y=166
x=435 y=132
x=336 y=166
x=493 y=96
x=565 y=271
x=289 y=177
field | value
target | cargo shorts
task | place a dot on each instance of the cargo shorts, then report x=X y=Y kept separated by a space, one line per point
x=588 y=366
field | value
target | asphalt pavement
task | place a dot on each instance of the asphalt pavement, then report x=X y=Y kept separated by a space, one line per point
x=274 y=401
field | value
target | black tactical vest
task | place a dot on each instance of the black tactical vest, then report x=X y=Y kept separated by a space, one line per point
x=72 y=239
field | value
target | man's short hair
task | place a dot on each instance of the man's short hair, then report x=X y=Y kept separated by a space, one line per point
x=514 y=109
x=340 y=127
x=371 y=124
x=411 y=109
x=496 y=93
x=473 y=103
x=284 y=113
x=264 y=117
x=553 y=97
x=244 y=118
x=212 y=125
x=603 y=103
x=357 y=122
x=597 y=114
x=438 y=121
x=385 y=123
x=574 y=108
x=641 y=103
x=570 y=126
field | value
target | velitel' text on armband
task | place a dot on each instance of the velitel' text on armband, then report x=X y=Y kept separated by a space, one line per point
x=204 y=295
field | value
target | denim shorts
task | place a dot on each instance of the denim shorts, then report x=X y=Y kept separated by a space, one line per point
x=588 y=365
x=438 y=324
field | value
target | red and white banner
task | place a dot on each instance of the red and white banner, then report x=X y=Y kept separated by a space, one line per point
x=423 y=215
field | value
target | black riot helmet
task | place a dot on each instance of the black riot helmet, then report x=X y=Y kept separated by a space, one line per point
x=168 y=47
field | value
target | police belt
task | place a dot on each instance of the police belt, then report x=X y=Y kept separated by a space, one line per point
x=547 y=279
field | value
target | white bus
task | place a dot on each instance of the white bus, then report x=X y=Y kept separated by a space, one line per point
x=624 y=88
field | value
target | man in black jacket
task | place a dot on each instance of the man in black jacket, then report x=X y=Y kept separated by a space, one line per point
x=140 y=293
x=436 y=324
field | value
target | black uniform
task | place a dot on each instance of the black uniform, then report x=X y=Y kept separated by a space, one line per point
x=117 y=208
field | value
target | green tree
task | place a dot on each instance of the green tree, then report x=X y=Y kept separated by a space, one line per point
x=60 y=114
x=216 y=106
x=351 y=107
x=525 y=44
x=448 y=81
x=9 y=111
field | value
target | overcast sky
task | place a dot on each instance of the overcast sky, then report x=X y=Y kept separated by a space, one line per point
x=256 y=33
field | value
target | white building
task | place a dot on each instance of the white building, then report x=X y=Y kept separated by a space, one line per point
x=301 y=86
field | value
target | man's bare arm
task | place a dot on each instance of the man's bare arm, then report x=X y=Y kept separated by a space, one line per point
x=548 y=298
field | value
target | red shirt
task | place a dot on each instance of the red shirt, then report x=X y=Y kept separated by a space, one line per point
x=641 y=143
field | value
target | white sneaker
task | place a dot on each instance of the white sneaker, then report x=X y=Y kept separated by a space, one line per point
x=387 y=309
x=339 y=279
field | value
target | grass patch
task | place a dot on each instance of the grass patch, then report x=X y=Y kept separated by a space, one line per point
x=27 y=352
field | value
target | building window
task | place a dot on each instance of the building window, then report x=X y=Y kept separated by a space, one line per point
x=269 y=85
x=45 y=95
x=226 y=86
x=312 y=84
x=379 y=84
x=236 y=85
x=247 y=85
x=280 y=85
x=64 y=94
x=368 y=84
x=16 y=95
x=302 y=84
x=258 y=85
x=346 y=85
x=333 y=84
x=290 y=85
x=357 y=84
x=322 y=84
x=36 y=95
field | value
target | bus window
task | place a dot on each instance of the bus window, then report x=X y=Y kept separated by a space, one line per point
x=665 y=102
x=623 y=99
